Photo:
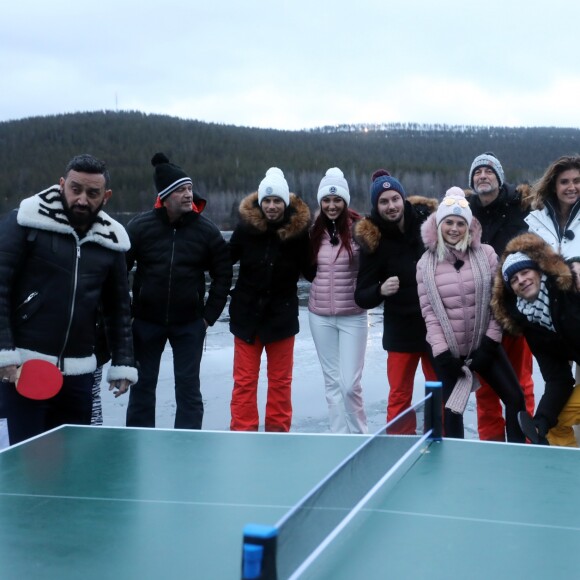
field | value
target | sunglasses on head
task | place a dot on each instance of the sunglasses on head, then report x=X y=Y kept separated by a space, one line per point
x=449 y=201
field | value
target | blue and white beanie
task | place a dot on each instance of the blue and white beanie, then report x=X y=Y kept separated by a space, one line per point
x=487 y=160
x=514 y=263
x=334 y=183
x=274 y=184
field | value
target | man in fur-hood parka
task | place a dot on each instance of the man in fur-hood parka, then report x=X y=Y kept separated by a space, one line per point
x=272 y=246
x=535 y=295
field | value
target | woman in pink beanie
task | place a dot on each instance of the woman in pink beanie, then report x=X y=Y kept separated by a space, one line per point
x=455 y=279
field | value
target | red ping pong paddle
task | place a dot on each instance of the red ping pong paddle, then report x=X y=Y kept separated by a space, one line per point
x=38 y=379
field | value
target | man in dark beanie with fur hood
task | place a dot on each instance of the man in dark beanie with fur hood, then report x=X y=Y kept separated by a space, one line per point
x=536 y=295
x=174 y=246
x=391 y=245
x=500 y=208
x=271 y=243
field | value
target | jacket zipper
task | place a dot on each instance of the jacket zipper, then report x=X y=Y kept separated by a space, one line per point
x=561 y=238
x=60 y=360
x=170 y=273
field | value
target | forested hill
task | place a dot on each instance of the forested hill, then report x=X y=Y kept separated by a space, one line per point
x=227 y=162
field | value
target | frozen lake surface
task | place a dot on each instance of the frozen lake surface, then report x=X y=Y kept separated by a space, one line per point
x=309 y=404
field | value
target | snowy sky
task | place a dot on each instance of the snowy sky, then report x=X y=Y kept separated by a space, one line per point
x=295 y=64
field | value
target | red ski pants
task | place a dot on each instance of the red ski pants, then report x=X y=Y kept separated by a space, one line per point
x=244 y=405
x=401 y=369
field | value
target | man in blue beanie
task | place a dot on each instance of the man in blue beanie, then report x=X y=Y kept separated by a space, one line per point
x=536 y=294
x=391 y=245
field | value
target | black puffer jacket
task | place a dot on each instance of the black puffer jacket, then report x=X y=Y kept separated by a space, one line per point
x=172 y=258
x=272 y=257
x=503 y=218
x=387 y=252
x=51 y=284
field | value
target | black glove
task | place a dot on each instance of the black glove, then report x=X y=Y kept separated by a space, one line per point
x=484 y=355
x=536 y=429
x=542 y=426
x=449 y=364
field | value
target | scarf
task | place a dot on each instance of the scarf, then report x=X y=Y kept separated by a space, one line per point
x=538 y=311
x=482 y=278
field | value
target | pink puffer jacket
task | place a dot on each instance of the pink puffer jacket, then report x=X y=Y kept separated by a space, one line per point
x=332 y=290
x=457 y=291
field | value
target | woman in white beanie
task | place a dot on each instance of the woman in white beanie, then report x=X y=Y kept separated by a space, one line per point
x=339 y=327
x=455 y=279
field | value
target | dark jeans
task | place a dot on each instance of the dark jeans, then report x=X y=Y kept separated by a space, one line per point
x=27 y=418
x=502 y=379
x=149 y=341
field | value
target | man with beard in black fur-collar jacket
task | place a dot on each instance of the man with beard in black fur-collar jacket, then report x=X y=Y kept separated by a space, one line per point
x=272 y=245
x=61 y=256
x=391 y=245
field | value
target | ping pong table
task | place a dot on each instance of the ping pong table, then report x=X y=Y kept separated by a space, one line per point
x=98 y=502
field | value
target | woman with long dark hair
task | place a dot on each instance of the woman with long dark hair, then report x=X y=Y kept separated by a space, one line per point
x=556 y=214
x=556 y=206
x=339 y=327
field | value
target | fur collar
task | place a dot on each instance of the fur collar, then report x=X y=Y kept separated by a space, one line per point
x=44 y=211
x=422 y=203
x=297 y=216
x=368 y=234
x=549 y=261
x=429 y=233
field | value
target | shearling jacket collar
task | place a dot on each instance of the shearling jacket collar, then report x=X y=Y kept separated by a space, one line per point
x=296 y=221
x=44 y=211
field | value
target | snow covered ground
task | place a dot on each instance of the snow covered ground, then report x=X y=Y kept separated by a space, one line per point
x=309 y=404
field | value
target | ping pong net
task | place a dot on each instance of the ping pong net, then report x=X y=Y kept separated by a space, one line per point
x=336 y=506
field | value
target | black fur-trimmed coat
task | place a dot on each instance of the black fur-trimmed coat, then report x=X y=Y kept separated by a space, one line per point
x=52 y=283
x=552 y=350
x=264 y=301
x=386 y=252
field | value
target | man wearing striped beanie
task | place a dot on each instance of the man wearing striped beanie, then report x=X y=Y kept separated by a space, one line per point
x=174 y=246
